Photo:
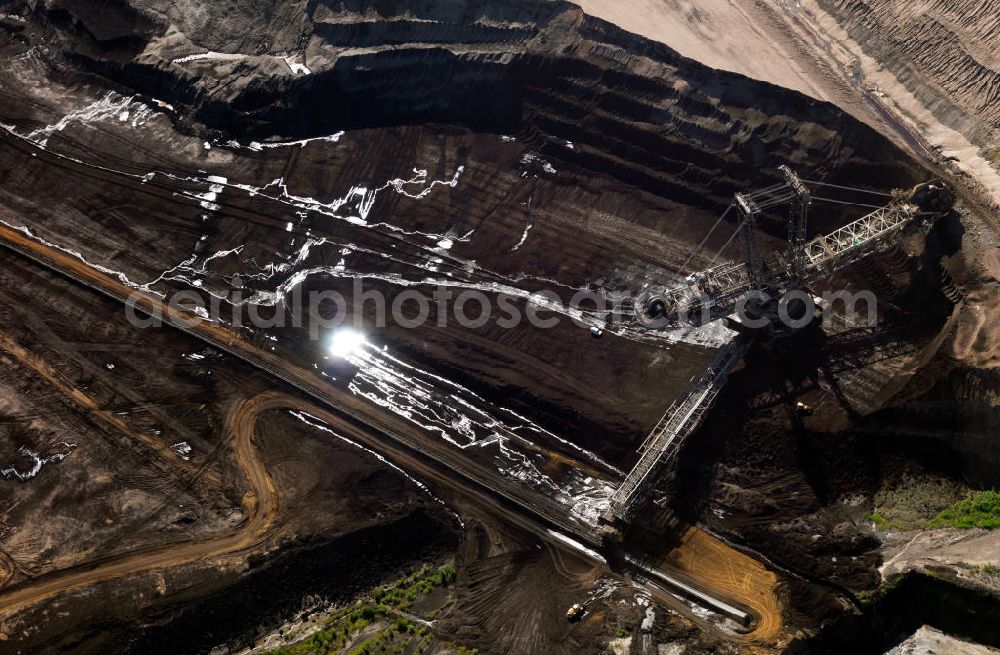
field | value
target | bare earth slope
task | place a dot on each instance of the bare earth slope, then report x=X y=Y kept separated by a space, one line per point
x=944 y=52
x=727 y=34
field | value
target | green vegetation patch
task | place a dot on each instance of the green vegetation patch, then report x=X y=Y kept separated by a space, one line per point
x=924 y=504
x=396 y=632
x=402 y=593
x=913 y=503
x=871 y=597
x=978 y=510
x=988 y=570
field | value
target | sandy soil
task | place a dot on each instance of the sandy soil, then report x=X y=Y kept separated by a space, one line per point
x=736 y=36
x=954 y=548
x=928 y=641
x=977 y=339
x=733 y=575
x=887 y=89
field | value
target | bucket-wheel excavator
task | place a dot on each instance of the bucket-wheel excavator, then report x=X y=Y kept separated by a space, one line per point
x=752 y=297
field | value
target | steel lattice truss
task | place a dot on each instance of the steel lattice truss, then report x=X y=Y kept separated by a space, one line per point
x=758 y=201
x=725 y=281
x=856 y=240
x=710 y=294
x=679 y=421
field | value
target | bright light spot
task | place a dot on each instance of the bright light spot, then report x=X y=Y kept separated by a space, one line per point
x=347 y=342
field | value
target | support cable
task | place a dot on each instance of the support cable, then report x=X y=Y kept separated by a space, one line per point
x=852 y=204
x=683 y=268
x=847 y=188
x=736 y=233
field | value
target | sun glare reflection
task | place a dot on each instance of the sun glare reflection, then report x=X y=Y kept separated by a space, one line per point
x=347 y=342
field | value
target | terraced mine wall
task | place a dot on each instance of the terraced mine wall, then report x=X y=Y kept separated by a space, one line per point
x=578 y=92
x=545 y=73
x=943 y=51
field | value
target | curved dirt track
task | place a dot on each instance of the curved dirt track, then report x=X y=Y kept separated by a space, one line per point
x=732 y=575
x=260 y=504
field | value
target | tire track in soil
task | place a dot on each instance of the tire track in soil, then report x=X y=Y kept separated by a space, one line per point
x=7 y=569
x=89 y=405
x=260 y=503
x=733 y=575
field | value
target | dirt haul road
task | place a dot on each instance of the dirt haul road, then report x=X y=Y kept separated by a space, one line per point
x=407 y=447
x=260 y=505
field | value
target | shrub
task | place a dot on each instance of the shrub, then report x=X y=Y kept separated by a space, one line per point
x=977 y=510
x=443 y=577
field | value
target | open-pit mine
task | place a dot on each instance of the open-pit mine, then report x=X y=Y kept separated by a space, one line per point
x=481 y=326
